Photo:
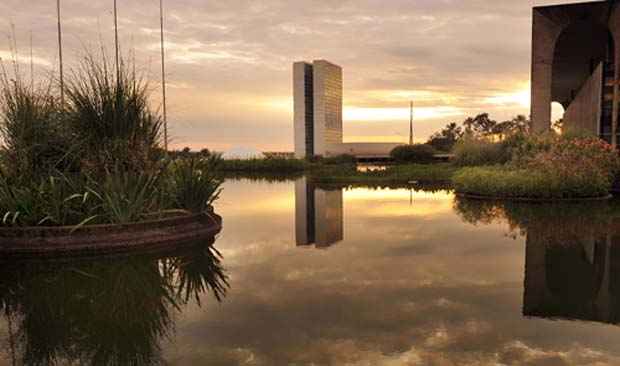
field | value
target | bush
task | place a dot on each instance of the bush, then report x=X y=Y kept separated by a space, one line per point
x=404 y=173
x=567 y=158
x=547 y=166
x=195 y=184
x=530 y=184
x=470 y=151
x=269 y=165
x=342 y=159
x=419 y=153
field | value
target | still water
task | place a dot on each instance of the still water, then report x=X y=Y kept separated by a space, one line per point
x=305 y=275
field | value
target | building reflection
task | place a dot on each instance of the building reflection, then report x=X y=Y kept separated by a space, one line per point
x=318 y=215
x=577 y=278
x=572 y=255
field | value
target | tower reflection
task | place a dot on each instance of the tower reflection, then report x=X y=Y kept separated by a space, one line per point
x=318 y=215
x=572 y=255
x=577 y=278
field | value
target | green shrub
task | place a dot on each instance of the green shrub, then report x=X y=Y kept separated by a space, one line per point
x=341 y=159
x=269 y=165
x=419 y=153
x=126 y=197
x=195 y=183
x=501 y=182
x=50 y=201
x=470 y=151
x=404 y=173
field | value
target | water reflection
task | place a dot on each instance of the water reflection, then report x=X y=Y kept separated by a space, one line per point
x=113 y=311
x=319 y=218
x=572 y=256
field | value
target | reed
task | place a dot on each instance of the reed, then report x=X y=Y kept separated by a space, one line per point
x=110 y=117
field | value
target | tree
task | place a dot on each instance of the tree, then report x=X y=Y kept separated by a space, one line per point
x=445 y=139
x=519 y=124
x=479 y=126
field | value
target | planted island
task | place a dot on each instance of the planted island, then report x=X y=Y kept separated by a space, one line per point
x=87 y=168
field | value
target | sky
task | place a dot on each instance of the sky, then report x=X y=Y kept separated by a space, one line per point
x=229 y=63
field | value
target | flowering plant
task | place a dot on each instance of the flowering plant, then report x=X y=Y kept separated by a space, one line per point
x=574 y=158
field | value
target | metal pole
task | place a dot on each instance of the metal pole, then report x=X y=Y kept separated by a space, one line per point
x=31 y=64
x=411 y=123
x=163 y=73
x=116 y=41
x=62 y=82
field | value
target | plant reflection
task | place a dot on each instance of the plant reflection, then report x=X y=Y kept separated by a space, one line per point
x=112 y=311
x=572 y=259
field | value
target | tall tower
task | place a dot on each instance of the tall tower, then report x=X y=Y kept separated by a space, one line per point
x=317 y=92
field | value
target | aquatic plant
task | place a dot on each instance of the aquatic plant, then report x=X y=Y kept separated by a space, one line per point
x=195 y=182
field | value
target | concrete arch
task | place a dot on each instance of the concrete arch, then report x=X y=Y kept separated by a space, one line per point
x=579 y=49
x=567 y=41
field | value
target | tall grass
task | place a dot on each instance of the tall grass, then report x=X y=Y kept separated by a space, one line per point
x=110 y=115
x=471 y=151
x=95 y=159
x=528 y=184
x=34 y=139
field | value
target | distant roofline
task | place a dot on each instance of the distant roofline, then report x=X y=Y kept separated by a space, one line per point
x=571 y=4
x=318 y=60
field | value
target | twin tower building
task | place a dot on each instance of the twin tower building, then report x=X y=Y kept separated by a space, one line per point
x=317 y=91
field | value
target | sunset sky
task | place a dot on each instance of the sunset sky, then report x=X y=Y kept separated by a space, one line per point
x=229 y=63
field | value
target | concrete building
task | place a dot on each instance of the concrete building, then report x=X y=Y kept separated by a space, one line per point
x=318 y=108
x=575 y=63
x=317 y=94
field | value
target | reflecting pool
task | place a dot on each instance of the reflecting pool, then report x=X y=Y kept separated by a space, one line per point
x=324 y=275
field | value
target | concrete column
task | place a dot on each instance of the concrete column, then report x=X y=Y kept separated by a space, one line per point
x=614 y=28
x=544 y=36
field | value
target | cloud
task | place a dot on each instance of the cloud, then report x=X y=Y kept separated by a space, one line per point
x=464 y=56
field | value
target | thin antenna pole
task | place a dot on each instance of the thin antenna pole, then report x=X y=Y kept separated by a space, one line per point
x=411 y=123
x=31 y=63
x=62 y=82
x=116 y=41
x=163 y=72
